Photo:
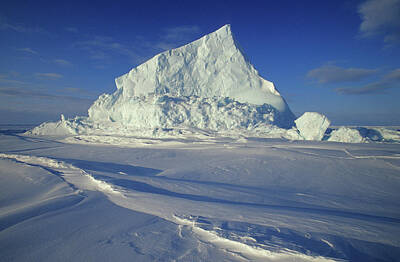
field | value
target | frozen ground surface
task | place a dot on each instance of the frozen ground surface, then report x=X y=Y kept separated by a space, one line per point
x=221 y=199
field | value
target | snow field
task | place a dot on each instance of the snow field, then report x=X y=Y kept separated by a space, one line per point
x=287 y=198
x=85 y=181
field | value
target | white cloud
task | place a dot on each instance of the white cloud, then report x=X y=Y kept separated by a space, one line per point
x=48 y=75
x=393 y=75
x=99 y=46
x=372 y=88
x=72 y=29
x=381 y=17
x=141 y=49
x=335 y=74
x=180 y=32
x=20 y=28
x=175 y=36
x=24 y=92
x=390 y=80
x=35 y=105
x=62 y=62
x=12 y=78
x=27 y=50
x=5 y=79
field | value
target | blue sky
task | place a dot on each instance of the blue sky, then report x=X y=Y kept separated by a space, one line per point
x=340 y=58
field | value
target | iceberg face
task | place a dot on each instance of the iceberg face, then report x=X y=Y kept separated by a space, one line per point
x=208 y=68
x=154 y=111
x=312 y=125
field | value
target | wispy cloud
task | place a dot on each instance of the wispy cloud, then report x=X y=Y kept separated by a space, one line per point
x=390 y=80
x=21 y=85
x=381 y=18
x=20 y=28
x=77 y=90
x=62 y=62
x=72 y=29
x=180 y=32
x=142 y=48
x=334 y=74
x=10 y=78
x=372 y=88
x=48 y=75
x=175 y=36
x=27 y=50
x=25 y=92
x=99 y=47
x=393 y=75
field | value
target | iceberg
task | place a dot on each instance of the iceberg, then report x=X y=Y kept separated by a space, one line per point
x=191 y=78
x=312 y=125
x=207 y=84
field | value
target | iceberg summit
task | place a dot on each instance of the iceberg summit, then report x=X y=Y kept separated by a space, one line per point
x=207 y=84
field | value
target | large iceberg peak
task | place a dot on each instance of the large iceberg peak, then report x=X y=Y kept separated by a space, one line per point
x=224 y=31
x=185 y=86
x=212 y=66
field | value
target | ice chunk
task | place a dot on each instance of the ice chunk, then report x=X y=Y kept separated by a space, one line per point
x=387 y=134
x=60 y=128
x=346 y=135
x=312 y=125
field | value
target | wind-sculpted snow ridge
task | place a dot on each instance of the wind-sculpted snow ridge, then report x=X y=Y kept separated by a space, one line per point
x=248 y=252
x=70 y=173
